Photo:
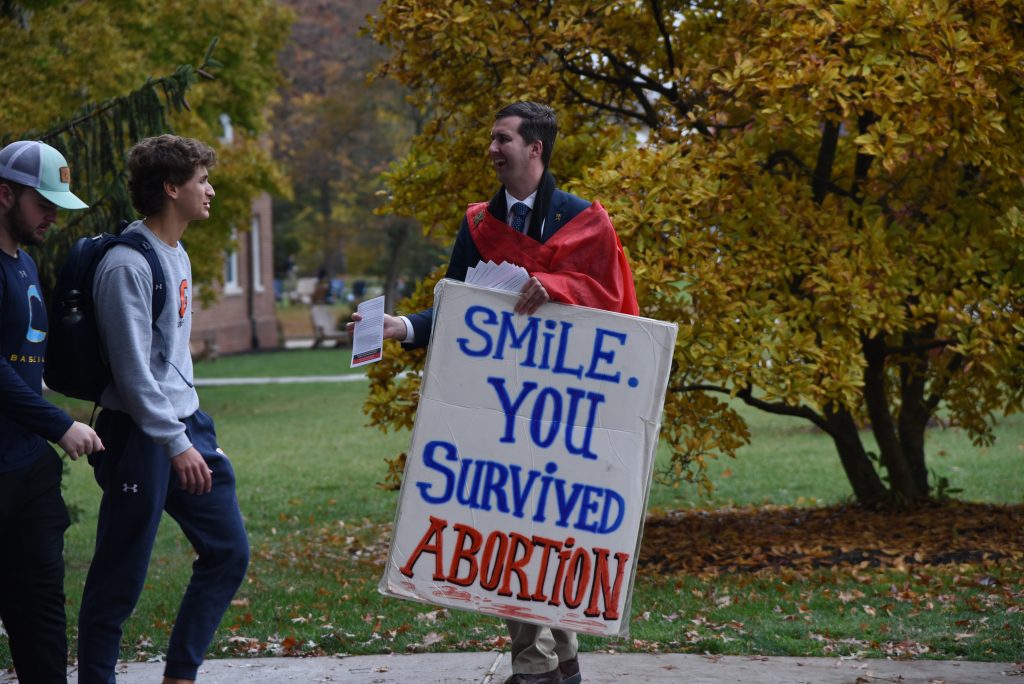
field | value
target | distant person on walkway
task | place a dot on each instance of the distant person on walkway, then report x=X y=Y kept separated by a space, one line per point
x=162 y=449
x=34 y=182
x=528 y=223
x=322 y=289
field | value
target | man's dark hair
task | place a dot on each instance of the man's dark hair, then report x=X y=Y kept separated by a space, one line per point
x=163 y=159
x=538 y=123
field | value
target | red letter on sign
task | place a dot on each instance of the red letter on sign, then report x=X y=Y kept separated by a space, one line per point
x=436 y=529
x=465 y=531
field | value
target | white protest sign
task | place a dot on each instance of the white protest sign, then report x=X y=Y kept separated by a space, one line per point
x=527 y=478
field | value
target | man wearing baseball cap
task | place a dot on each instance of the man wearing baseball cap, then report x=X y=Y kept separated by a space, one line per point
x=34 y=182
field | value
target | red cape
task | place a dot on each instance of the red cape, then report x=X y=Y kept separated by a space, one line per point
x=583 y=263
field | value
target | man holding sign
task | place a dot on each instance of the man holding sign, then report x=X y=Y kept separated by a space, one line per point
x=572 y=254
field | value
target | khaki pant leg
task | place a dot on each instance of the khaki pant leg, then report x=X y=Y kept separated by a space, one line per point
x=533 y=648
x=566 y=645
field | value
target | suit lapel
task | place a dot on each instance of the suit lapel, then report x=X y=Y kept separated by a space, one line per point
x=556 y=217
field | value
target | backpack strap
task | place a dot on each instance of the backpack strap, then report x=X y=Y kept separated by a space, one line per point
x=139 y=242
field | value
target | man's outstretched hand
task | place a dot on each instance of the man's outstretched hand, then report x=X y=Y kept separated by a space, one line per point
x=394 y=327
x=531 y=297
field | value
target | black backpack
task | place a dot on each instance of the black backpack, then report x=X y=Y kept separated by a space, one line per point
x=74 y=364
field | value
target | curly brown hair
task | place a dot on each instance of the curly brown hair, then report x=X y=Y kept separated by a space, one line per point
x=163 y=159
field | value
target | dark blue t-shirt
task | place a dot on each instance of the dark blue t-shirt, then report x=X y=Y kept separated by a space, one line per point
x=26 y=419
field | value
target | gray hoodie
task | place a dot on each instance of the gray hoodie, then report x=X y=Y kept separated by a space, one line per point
x=152 y=371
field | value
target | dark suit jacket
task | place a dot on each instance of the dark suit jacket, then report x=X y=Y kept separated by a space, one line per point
x=562 y=208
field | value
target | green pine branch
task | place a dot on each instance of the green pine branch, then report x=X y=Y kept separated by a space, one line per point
x=96 y=141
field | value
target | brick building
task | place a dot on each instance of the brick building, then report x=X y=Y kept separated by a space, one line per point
x=243 y=316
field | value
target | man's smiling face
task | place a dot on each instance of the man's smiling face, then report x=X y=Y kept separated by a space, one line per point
x=512 y=156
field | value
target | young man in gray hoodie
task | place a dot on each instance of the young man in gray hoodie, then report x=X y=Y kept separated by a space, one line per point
x=162 y=452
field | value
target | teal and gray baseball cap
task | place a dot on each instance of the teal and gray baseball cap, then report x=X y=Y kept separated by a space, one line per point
x=37 y=165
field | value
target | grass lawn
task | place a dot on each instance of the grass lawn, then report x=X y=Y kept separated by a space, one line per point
x=307 y=469
x=297 y=362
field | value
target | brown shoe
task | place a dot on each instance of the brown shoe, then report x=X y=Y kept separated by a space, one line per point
x=553 y=677
x=570 y=671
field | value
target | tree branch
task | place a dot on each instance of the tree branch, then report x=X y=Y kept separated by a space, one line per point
x=700 y=388
x=954 y=366
x=639 y=77
x=623 y=82
x=665 y=36
x=863 y=162
x=822 y=177
x=781 y=409
x=920 y=347
x=591 y=74
x=622 y=111
x=747 y=395
x=780 y=156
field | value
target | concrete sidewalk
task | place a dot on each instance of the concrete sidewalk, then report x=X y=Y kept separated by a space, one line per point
x=598 y=668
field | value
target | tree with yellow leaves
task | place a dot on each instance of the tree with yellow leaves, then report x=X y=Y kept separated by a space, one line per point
x=826 y=196
x=94 y=77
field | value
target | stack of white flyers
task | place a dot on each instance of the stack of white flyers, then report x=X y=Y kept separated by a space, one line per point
x=503 y=276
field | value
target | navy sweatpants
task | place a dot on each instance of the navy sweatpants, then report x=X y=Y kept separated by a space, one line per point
x=138 y=484
x=32 y=523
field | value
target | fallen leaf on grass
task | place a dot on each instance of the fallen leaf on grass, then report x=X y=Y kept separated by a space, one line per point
x=903 y=650
x=429 y=640
x=432 y=616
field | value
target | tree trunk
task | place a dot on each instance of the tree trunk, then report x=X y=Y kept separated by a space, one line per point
x=913 y=420
x=332 y=242
x=867 y=486
x=901 y=481
x=398 y=236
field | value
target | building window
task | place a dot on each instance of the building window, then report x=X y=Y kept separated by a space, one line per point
x=231 y=282
x=254 y=242
x=227 y=130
